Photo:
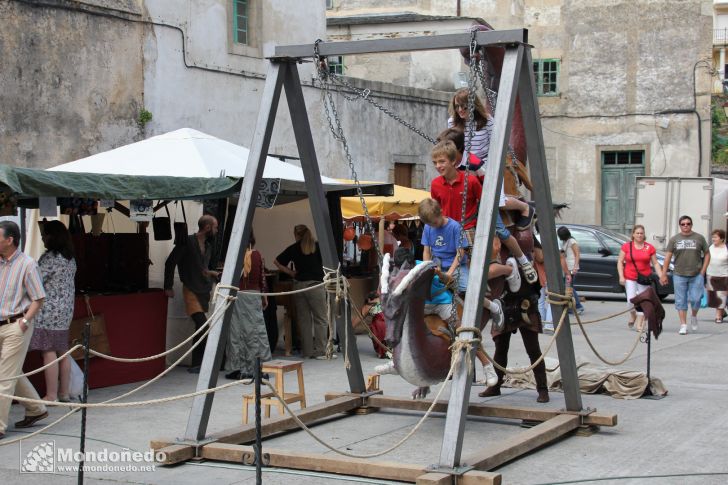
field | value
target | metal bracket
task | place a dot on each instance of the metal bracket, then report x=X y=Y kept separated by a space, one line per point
x=197 y=445
x=581 y=413
x=458 y=471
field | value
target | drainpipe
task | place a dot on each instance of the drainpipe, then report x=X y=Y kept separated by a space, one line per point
x=457 y=8
x=700 y=121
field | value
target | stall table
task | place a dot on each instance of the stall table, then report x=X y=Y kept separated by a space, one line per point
x=136 y=325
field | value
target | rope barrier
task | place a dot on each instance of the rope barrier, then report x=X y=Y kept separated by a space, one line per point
x=150 y=402
x=596 y=352
x=541 y=357
x=456 y=349
x=203 y=327
x=40 y=369
x=568 y=302
x=126 y=394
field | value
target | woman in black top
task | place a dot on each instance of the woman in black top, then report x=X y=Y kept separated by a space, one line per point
x=310 y=305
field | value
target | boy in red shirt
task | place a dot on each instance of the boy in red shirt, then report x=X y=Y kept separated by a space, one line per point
x=447 y=189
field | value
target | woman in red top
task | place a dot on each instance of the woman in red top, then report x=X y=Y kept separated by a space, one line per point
x=636 y=257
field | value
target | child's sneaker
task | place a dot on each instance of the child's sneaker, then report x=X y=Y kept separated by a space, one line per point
x=548 y=327
x=529 y=272
x=491 y=378
x=497 y=317
x=683 y=329
x=694 y=323
x=514 y=279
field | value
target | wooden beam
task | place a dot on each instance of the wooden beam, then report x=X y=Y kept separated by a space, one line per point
x=433 y=478
x=504 y=451
x=176 y=453
x=386 y=470
x=405 y=44
x=478 y=477
x=486 y=410
x=246 y=433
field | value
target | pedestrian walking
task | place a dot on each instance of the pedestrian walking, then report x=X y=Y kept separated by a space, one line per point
x=634 y=265
x=50 y=335
x=21 y=297
x=689 y=252
x=570 y=249
x=716 y=280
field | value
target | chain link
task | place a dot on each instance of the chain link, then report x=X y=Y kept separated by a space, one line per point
x=365 y=95
x=491 y=96
x=327 y=99
x=468 y=146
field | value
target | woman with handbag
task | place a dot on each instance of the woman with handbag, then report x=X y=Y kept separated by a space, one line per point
x=58 y=269
x=635 y=274
x=716 y=281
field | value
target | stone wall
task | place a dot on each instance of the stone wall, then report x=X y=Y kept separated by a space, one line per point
x=626 y=70
x=72 y=80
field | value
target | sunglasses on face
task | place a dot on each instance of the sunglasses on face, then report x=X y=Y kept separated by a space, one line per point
x=686 y=223
x=460 y=106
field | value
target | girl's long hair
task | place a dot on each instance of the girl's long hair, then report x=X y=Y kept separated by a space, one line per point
x=481 y=113
x=305 y=239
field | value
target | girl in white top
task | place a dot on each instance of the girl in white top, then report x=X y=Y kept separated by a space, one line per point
x=570 y=249
x=717 y=273
x=479 y=144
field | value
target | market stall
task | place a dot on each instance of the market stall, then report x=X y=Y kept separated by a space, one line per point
x=208 y=168
x=400 y=207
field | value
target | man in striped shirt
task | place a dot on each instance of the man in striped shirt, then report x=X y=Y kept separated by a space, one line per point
x=21 y=296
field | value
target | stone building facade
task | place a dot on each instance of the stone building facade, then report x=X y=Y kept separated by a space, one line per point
x=77 y=74
x=623 y=90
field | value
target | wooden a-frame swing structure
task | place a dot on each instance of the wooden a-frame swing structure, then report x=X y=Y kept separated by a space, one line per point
x=516 y=80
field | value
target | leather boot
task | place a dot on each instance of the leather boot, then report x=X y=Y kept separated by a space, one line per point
x=543 y=396
x=490 y=391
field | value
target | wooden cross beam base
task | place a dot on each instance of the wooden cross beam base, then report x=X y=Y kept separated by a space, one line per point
x=227 y=445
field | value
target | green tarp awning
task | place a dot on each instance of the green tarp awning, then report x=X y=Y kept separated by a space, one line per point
x=30 y=183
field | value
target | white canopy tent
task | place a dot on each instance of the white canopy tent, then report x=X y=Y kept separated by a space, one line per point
x=182 y=153
x=191 y=153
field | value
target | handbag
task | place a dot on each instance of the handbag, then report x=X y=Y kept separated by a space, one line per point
x=180 y=228
x=641 y=279
x=98 y=339
x=162 y=226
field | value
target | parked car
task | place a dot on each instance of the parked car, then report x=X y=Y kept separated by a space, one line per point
x=600 y=248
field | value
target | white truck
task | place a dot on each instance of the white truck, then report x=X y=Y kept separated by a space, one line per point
x=660 y=201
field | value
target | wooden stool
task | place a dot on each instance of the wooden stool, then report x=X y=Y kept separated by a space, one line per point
x=277 y=369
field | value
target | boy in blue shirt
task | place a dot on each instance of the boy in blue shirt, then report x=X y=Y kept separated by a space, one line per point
x=442 y=239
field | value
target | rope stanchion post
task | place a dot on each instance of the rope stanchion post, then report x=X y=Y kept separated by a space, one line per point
x=648 y=394
x=84 y=396
x=258 y=433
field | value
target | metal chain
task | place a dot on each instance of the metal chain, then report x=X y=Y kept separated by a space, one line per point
x=468 y=146
x=337 y=131
x=365 y=95
x=491 y=96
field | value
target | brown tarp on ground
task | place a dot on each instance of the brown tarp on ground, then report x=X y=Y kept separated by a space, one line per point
x=594 y=379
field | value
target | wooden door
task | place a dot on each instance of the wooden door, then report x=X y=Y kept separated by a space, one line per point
x=619 y=172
